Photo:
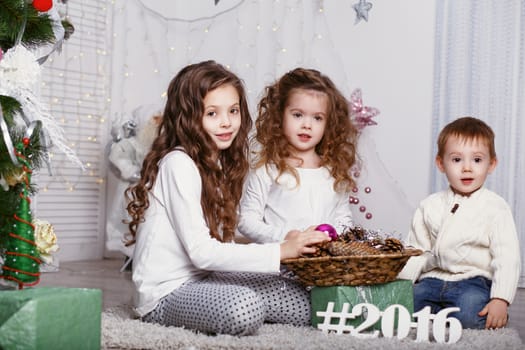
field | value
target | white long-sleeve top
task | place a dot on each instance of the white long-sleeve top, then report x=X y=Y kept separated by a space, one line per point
x=174 y=244
x=478 y=238
x=269 y=209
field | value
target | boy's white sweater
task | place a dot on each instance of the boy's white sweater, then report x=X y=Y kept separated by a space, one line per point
x=477 y=239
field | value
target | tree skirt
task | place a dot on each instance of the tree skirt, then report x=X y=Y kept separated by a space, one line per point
x=121 y=331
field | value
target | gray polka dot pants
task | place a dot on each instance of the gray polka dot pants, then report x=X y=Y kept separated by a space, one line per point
x=234 y=303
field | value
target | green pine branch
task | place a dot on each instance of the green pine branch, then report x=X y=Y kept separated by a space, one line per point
x=10 y=107
x=14 y=14
x=34 y=152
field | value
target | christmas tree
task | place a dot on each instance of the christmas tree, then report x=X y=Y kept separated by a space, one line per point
x=26 y=127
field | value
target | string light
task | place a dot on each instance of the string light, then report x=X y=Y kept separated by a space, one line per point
x=90 y=86
x=297 y=32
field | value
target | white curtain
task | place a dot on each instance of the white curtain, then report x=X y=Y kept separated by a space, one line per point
x=480 y=71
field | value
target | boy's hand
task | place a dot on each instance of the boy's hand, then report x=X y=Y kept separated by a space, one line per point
x=496 y=312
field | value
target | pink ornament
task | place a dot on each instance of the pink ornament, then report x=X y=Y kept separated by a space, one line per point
x=361 y=115
x=368 y=216
x=329 y=230
x=355 y=189
x=362 y=209
x=1 y=53
x=368 y=189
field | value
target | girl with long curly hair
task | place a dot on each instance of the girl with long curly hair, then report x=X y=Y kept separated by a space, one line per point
x=187 y=270
x=305 y=148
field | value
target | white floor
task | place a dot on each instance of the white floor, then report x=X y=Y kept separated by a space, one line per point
x=117 y=287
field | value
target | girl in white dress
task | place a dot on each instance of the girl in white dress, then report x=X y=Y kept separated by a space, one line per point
x=306 y=147
x=187 y=271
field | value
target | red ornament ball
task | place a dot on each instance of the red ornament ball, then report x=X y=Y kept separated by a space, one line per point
x=42 y=5
x=26 y=141
x=329 y=230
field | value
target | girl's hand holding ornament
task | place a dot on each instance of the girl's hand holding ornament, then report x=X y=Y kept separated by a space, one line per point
x=329 y=230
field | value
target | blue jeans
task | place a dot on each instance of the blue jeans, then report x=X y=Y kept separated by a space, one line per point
x=470 y=295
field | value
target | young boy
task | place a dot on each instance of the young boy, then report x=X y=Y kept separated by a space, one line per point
x=472 y=257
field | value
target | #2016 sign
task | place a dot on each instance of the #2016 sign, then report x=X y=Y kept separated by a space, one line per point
x=440 y=322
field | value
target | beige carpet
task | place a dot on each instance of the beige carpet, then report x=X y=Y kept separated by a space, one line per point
x=120 y=331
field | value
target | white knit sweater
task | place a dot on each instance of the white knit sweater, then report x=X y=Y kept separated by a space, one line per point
x=174 y=244
x=270 y=208
x=478 y=238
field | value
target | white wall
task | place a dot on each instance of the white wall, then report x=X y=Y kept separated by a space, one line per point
x=390 y=58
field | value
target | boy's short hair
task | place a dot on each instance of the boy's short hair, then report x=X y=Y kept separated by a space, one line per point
x=467 y=128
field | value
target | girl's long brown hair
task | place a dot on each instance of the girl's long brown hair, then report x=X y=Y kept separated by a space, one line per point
x=337 y=148
x=181 y=126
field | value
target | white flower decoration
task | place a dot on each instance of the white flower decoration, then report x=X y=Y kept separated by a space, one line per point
x=19 y=69
x=45 y=239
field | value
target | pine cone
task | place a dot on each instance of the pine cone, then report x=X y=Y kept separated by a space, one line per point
x=354 y=234
x=352 y=248
x=363 y=248
x=392 y=245
x=339 y=248
x=322 y=249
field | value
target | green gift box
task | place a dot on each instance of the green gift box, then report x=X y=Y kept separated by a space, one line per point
x=381 y=295
x=50 y=318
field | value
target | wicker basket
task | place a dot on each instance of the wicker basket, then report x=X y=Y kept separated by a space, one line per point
x=349 y=270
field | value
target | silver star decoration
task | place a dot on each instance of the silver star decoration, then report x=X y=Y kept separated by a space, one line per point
x=361 y=10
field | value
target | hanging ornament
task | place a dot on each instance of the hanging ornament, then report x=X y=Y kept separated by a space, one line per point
x=361 y=115
x=361 y=10
x=42 y=5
